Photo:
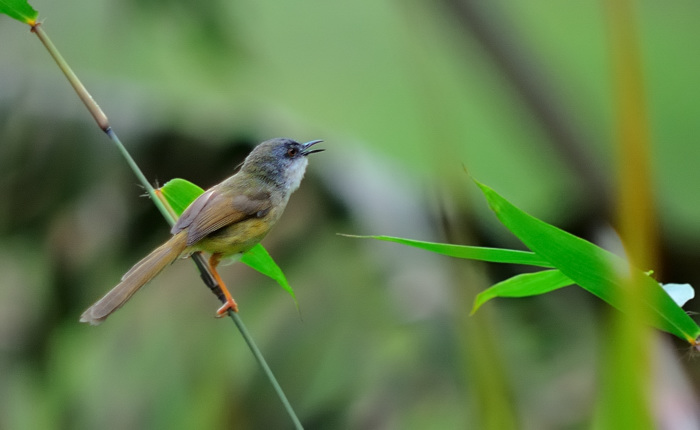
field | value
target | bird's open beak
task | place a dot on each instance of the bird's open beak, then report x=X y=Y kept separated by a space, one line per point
x=308 y=145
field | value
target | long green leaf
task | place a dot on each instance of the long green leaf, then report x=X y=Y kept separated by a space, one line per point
x=591 y=267
x=259 y=259
x=180 y=193
x=524 y=285
x=19 y=10
x=492 y=255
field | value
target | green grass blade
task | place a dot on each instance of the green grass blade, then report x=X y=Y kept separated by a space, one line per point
x=180 y=193
x=19 y=10
x=590 y=266
x=259 y=259
x=524 y=285
x=492 y=255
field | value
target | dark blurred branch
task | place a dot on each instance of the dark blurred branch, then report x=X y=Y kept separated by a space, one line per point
x=626 y=399
x=482 y=21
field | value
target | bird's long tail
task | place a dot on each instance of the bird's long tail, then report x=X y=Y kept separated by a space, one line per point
x=137 y=277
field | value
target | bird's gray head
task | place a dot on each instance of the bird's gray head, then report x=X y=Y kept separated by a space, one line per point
x=280 y=161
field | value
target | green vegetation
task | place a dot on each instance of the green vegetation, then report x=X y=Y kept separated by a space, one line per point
x=582 y=114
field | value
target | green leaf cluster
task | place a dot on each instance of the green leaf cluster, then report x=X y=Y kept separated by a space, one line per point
x=571 y=260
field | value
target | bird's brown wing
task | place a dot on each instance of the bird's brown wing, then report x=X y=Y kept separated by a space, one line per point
x=215 y=209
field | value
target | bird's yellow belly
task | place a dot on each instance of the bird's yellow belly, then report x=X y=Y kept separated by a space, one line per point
x=236 y=238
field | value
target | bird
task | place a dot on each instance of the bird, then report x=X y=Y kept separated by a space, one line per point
x=227 y=219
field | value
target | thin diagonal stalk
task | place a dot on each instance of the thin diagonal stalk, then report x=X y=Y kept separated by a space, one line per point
x=159 y=201
x=210 y=282
x=94 y=109
x=266 y=369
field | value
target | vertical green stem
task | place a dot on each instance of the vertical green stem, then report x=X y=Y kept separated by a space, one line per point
x=626 y=391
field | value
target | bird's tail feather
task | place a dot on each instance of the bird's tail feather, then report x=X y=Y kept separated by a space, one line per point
x=135 y=278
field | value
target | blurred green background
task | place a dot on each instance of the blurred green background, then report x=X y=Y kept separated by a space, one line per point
x=406 y=95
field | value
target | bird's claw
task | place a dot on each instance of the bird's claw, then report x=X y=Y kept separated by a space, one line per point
x=229 y=305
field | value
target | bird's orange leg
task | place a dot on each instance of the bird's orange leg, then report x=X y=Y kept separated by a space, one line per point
x=230 y=303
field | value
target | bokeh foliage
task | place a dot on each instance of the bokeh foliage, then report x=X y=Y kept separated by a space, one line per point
x=405 y=93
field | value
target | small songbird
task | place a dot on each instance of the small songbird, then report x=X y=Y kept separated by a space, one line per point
x=228 y=219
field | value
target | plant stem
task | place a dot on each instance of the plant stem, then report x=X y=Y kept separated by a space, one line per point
x=159 y=201
x=266 y=369
x=210 y=282
x=94 y=109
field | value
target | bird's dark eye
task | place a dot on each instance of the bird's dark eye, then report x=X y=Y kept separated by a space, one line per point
x=292 y=152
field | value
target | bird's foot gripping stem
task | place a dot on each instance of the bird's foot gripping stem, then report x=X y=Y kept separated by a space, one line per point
x=230 y=304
